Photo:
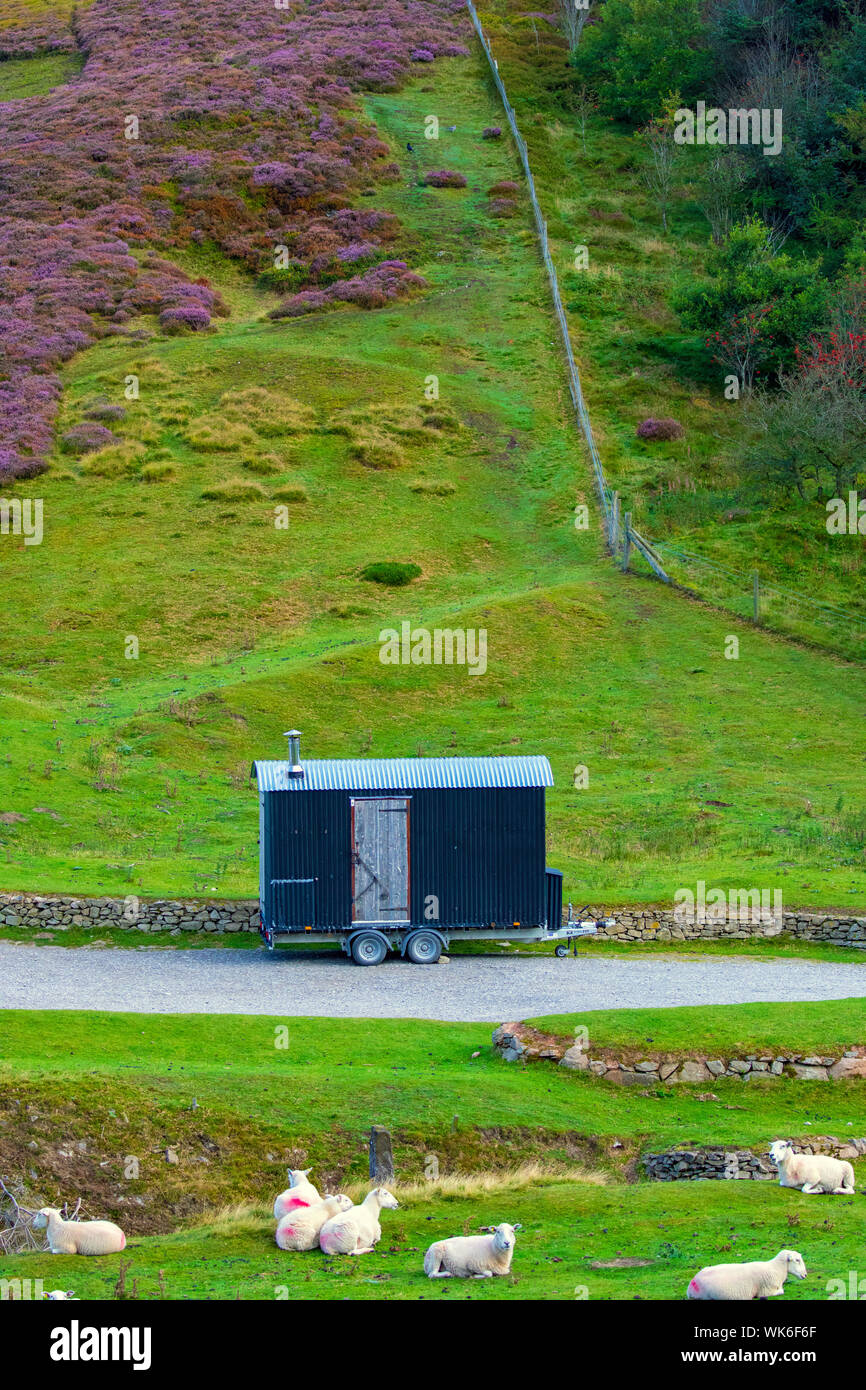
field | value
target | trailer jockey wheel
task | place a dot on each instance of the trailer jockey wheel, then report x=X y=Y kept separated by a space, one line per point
x=368 y=948
x=560 y=951
x=424 y=948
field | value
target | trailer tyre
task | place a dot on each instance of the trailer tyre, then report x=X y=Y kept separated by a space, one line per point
x=424 y=948
x=560 y=951
x=368 y=948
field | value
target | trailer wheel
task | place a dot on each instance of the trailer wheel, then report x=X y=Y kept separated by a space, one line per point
x=560 y=951
x=424 y=948
x=368 y=948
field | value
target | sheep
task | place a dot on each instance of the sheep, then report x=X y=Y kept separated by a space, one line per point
x=300 y=1229
x=78 y=1237
x=471 y=1257
x=757 y=1279
x=60 y=1293
x=299 y=1193
x=812 y=1173
x=355 y=1232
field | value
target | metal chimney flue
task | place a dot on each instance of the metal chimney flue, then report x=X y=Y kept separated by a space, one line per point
x=294 y=737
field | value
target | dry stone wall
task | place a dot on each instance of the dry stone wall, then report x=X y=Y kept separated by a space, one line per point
x=720 y=1164
x=666 y=924
x=59 y=914
x=515 y=1041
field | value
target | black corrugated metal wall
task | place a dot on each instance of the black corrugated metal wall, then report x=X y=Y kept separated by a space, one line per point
x=480 y=851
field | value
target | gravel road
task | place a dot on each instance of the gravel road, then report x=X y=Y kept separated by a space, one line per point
x=466 y=989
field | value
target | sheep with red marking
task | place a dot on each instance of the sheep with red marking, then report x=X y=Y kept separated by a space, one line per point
x=738 y=1282
x=299 y=1193
x=299 y=1230
x=356 y=1232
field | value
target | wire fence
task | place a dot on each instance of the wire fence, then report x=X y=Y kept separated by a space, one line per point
x=747 y=596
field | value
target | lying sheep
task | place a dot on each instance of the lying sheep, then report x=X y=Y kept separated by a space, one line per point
x=757 y=1279
x=78 y=1237
x=812 y=1173
x=299 y=1230
x=355 y=1232
x=471 y=1257
x=299 y=1193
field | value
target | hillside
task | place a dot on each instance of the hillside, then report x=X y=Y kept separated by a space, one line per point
x=129 y=774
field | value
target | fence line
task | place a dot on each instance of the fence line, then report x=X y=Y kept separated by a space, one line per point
x=621 y=535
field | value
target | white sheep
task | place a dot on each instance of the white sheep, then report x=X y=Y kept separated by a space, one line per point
x=757 y=1279
x=812 y=1173
x=299 y=1193
x=78 y=1237
x=471 y=1257
x=299 y=1230
x=61 y=1294
x=355 y=1232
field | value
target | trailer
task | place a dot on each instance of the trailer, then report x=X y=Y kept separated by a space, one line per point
x=406 y=854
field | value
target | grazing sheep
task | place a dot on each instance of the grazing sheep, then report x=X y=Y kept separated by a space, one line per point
x=471 y=1257
x=300 y=1229
x=758 y=1279
x=78 y=1237
x=299 y=1193
x=355 y=1232
x=60 y=1293
x=812 y=1173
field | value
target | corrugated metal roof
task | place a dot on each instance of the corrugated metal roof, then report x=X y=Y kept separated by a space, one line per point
x=403 y=774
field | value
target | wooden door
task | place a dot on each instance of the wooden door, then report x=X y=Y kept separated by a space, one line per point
x=380 y=859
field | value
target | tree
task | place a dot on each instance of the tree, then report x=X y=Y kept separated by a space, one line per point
x=573 y=16
x=658 y=169
x=722 y=183
x=771 y=302
x=638 y=51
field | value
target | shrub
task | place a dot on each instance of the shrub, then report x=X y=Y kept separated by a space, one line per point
x=105 y=411
x=186 y=318
x=235 y=490
x=505 y=188
x=503 y=207
x=86 y=438
x=491 y=132
x=443 y=178
x=664 y=428
x=394 y=573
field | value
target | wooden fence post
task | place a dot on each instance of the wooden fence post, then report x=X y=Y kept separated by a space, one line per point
x=614 y=522
x=381 y=1155
x=626 y=544
x=756 y=597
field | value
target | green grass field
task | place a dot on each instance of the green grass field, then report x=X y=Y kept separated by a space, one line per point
x=124 y=773
x=555 y=1150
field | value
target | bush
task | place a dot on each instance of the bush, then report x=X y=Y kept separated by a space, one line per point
x=86 y=438
x=639 y=52
x=503 y=207
x=505 y=188
x=105 y=411
x=263 y=464
x=664 y=428
x=443 y=178
x=491 y=132
x=185 y=318
x=391 y=572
